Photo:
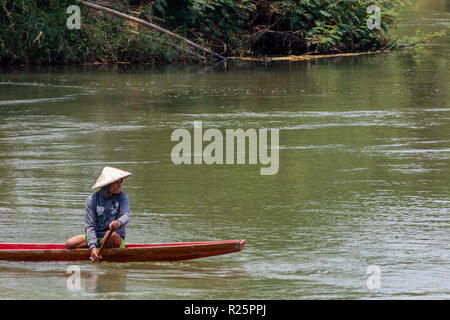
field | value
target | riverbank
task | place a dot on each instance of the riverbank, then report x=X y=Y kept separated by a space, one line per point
x=152 y=32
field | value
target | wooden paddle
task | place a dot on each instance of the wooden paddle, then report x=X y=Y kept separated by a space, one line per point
x=106 y=239
x=108 y=235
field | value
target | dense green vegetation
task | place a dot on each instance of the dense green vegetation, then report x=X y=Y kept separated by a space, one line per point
x=279 y=27
x=33 y=32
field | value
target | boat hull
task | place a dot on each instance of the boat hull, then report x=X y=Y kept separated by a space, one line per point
x=131 y=252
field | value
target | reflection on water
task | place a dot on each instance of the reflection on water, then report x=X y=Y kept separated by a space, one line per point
x=121 y=281
x=105 y=283
x=363 y=176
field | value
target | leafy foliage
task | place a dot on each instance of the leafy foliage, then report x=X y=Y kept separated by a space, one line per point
x=35 y=31
x=420 y=40
x=280 y=27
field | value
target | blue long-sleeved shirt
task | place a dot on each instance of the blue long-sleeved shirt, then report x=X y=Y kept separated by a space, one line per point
x=100 y=211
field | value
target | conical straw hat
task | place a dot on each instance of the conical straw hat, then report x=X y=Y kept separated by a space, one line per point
x=110 y=175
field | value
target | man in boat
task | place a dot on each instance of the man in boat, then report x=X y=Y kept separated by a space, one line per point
x=106 y=209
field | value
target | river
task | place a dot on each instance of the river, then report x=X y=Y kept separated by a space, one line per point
x=359 y=207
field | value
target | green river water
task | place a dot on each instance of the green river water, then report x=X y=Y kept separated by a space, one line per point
x=363 y=179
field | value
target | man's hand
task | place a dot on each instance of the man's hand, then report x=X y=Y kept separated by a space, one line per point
x=114 y=225
x=95 y=257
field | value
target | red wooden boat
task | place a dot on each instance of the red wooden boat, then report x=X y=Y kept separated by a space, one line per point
x=131 y=252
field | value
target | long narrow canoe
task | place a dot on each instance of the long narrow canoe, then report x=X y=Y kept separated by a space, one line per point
x=131 y=252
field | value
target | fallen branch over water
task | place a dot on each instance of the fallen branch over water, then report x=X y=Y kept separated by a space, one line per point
x=150 y=25
x=306 y=57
